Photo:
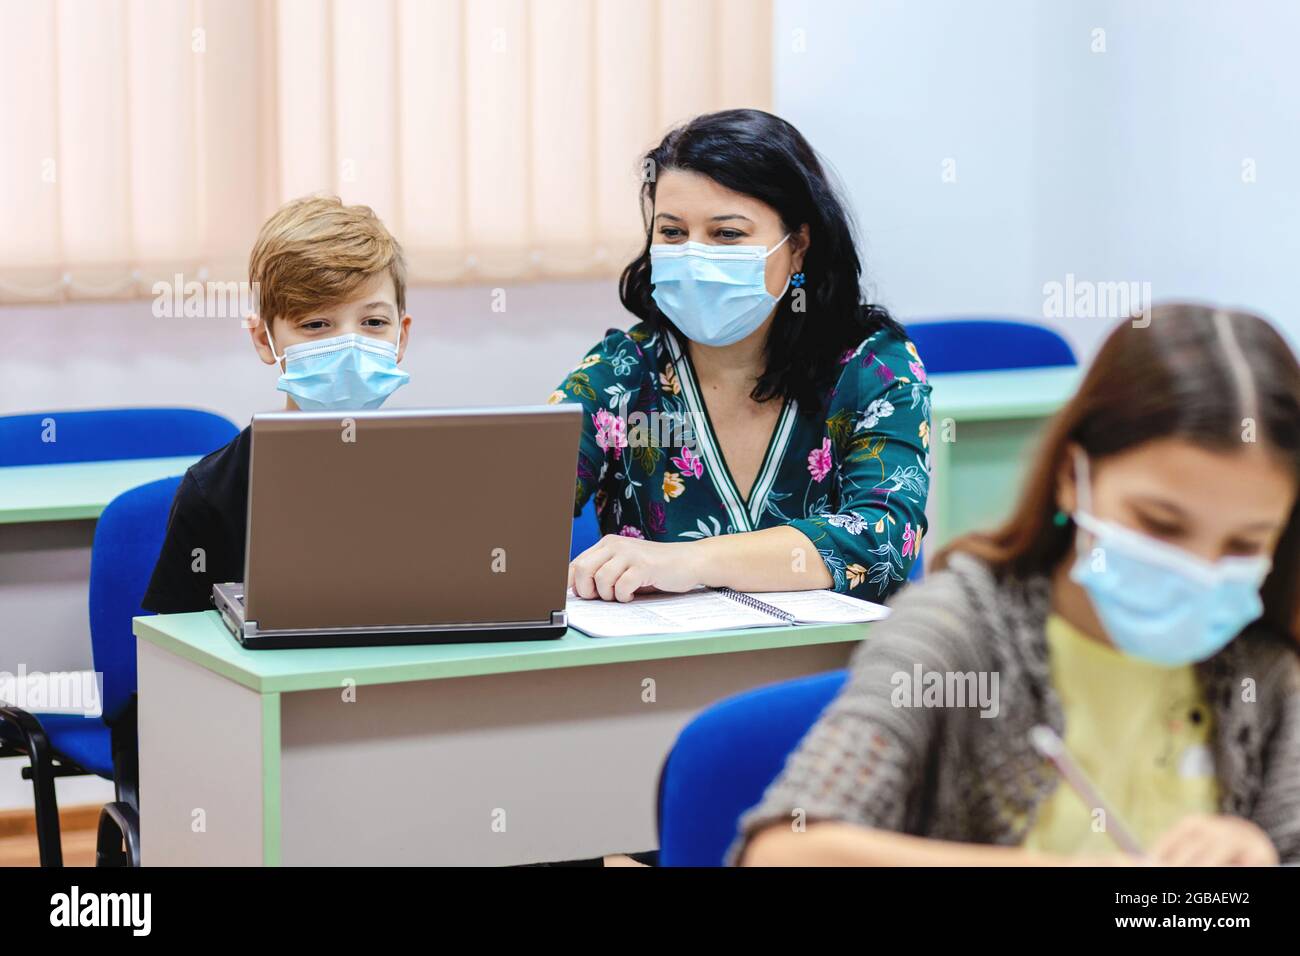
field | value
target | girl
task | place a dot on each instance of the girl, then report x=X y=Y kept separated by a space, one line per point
x=1140 y=601
x=761 y=427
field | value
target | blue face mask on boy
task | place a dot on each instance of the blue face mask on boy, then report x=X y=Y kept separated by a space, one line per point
x=345 y=373
x=716 y=295
x=1156 y=601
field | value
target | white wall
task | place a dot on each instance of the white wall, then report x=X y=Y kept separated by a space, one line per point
x=16 y=793
x=461 y=352
x=1123 y=165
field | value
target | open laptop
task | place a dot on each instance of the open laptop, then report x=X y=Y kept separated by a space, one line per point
x=406 y=527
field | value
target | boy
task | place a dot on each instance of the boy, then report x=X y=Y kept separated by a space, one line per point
x=331 y=290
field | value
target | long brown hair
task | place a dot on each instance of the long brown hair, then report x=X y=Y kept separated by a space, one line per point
x=1171 y=376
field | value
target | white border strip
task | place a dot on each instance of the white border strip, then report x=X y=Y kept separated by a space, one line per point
x=775 y=456
x=704 y=435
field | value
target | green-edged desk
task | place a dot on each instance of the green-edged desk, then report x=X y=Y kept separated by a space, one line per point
x=983 y=425
x=506 y=753
x=47 y=524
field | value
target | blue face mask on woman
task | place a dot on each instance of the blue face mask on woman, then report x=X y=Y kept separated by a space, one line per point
x=1156 y=601
x=345 y=373
x=716 y=295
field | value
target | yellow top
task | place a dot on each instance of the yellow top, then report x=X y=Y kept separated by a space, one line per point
x=1141 y=732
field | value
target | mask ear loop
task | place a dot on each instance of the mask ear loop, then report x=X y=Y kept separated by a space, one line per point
x=777 y=246
x=1082 y=482
x=271 y=342
x=785 y=288
x=1082 y=494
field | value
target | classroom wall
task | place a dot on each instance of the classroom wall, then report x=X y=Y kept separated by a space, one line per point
x=1117 y=166
x=461 y=351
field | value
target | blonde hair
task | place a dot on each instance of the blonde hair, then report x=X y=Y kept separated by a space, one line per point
x=316 y=252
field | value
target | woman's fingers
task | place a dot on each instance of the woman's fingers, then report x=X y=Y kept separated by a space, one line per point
x=583 y=568
x=616 y=569
x=608 y=576
x=628 y=584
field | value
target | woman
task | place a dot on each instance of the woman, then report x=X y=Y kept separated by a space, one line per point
x=761 y=427
x=1140 y=602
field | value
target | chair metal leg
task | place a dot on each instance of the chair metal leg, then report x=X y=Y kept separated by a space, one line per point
x=37 y=747
x=48 y=834
x=126 y=758
x=119 y=826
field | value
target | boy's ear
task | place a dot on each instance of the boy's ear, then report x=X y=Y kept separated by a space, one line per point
x=261 y=341
x=403 y=335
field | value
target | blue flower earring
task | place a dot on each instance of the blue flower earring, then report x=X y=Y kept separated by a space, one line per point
x=797 y=280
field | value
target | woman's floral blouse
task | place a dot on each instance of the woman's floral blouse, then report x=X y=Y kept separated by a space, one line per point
x=853 y=476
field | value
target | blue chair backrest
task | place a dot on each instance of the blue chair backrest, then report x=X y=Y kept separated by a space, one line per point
x=586 y=529
x=110 y=434
x=725 y=758
x=128 y=539
x=979 y=345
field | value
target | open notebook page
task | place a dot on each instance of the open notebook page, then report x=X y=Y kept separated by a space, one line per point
x=664 y=614
x=823 y=607
x=706 y=610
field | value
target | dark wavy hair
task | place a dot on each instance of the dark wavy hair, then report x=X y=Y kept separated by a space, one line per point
x=763 y=156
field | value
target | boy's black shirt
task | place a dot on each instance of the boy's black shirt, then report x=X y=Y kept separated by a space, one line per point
x=209 y=512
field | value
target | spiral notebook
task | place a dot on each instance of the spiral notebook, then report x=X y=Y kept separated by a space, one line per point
x=716 y=609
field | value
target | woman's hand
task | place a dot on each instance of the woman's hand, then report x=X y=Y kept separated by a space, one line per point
x=616 y=567
x=1214 y=840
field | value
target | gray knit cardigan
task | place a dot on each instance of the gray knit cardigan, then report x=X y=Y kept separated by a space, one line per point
x=950 y=774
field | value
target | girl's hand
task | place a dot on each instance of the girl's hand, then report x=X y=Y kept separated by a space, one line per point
x=1106 y=859
x=616 y=567
x=1214 y=840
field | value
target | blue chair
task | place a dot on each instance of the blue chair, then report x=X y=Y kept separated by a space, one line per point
x=725 y=758
x=586 y=529
x=981 y=345
x=984 y=345
x=110 y=434
x=128 y=539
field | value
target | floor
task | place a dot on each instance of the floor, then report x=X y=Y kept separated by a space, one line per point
x=18 y=837
x=78 y=849
x=18 y=840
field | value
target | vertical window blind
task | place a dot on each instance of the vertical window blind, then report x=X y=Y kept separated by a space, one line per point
x=498 y=139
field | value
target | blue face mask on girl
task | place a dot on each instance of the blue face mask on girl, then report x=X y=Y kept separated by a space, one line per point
x=716 y=295
x=344 y=373
x=1156 y=601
